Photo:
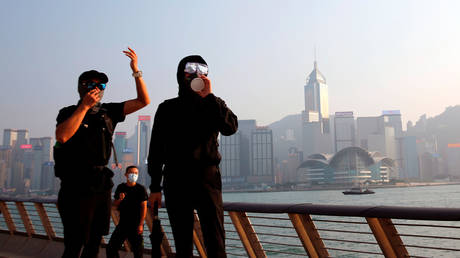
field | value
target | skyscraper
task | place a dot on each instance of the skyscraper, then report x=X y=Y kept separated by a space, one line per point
x=317 y=99
x=316 y=137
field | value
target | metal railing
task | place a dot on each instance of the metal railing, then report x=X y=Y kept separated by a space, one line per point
x=281 y=230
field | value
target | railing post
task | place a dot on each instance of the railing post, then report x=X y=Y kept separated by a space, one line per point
x=25 y=218
x=387 y=237
x=45 y=220
x=165 y=246
x=308 y=235
x=8 y=219
x=198 y=237
x=247 y=234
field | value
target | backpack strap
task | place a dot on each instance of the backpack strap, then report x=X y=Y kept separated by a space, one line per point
x=109 y=127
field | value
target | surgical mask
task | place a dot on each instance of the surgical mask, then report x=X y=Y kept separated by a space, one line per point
x=132 y=177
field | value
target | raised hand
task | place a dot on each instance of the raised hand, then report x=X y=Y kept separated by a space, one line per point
x=133 y=56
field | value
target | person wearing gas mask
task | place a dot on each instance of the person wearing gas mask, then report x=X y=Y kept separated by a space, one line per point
x=82 y=151
x=184 y=153
x=131 y=201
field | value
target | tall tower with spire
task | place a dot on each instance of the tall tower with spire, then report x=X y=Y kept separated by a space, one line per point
x=317 y=99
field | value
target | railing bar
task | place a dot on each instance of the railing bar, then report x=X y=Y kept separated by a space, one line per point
x=230 y=238
x=349 y=241
x=278 y=235
x=422 y=236
x=282 y=252
x=353 y=251
x=273 y=243
x=262 y=217
x=421 y=225
x=234 y=246
x=432 y=247
x=344 y=231
x=269 y=226
x=243 y=255
x=339 y=221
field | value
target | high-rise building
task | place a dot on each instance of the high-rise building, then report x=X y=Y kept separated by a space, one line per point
x=230 y=150
x=410 y=165
x=23 y=137
x=262 y=170
x=315 y=118
x=10 y=137
x=48 y=181
x=344 y=130
x=247 y=155
x=143 y=132
x=317 y=99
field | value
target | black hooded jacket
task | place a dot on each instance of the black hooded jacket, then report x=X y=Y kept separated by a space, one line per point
x=185 y=130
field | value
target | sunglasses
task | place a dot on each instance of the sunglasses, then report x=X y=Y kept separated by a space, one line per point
x=92 y=85
x=196 y=68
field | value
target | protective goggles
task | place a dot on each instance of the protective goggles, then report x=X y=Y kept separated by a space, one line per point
x=92 y=85
x=196 y=68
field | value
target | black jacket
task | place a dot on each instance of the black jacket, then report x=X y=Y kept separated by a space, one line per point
x=185 y=132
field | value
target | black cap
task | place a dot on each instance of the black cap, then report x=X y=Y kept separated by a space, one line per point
x=93 y=74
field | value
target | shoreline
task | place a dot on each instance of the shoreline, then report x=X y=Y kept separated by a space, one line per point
x=339 y=188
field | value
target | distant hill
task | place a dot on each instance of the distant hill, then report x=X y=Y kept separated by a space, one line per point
x=290 y=124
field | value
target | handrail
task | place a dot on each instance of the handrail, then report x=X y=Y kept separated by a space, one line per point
x=395 y=212
x=261 y=230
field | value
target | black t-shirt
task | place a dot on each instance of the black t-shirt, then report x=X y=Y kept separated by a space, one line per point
x=130 y=206
x=90 y=145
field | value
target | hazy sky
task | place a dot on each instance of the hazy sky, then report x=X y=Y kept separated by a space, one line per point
x=375 y=55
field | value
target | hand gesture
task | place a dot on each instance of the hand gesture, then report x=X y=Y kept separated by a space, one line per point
x=207 y=86
x=133 y=56
x=140 y=229
x=121 y=196
x=91 y=98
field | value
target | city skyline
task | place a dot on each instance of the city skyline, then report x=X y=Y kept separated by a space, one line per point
x=377 y=56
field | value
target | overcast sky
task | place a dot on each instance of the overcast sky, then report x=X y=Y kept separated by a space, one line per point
x=375 y=55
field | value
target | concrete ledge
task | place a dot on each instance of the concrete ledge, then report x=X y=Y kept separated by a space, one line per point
x=18 y=246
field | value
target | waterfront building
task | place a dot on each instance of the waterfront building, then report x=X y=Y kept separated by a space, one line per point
x=48 y=181
x=430 y=166
x=348 y=166
x=409 y=157
x=143 y=132
x=262 y=170
x=247 y=155
x=230 y=150
x=453 y=160
x=344 y=130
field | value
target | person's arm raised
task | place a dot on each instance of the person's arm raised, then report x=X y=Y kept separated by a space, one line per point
x=66 y=129
x=143 y=98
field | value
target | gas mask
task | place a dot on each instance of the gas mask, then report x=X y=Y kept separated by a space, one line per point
x=196 y=69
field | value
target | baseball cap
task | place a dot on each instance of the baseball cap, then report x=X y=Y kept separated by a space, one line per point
x=93 y=74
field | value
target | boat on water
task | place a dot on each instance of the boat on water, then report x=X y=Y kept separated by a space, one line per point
x=358 y=190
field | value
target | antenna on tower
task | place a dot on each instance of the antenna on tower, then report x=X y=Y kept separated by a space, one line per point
x=315 y=65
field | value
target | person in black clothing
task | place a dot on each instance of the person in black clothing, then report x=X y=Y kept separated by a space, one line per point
x=83 y=148
x=131 y=199
x=184 y=150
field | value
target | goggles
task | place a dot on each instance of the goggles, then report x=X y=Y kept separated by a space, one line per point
x=196 y=68
x=92 y=85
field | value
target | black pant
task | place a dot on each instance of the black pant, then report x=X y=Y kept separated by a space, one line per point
x=85 y=217
x=120 y=234
x=203 y=193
